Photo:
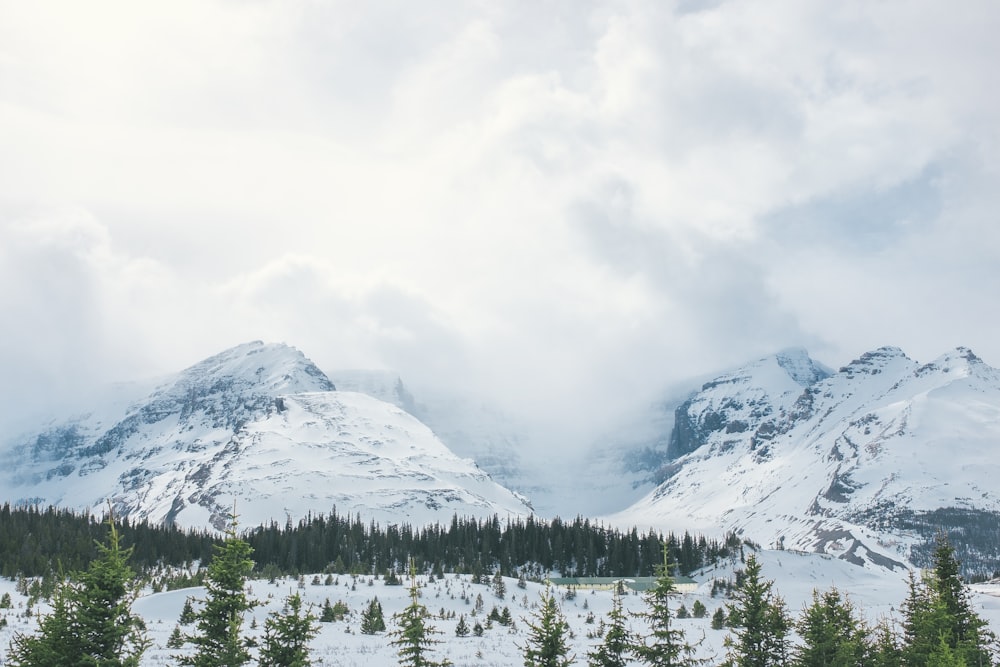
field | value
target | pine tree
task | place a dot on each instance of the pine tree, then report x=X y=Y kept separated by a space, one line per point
x=413 y=635
x=372 y=620
x=760 y=622
x=969 y=637
x=287 y=636
x=547 y=637
x=698 y=609
x=719 y=619
x=618 y=642
x=91 y=620
x=938 y=608
x=219 y=622
x=187 y=613
x=884 y=650
x=832 y=634
x=499 y=588
x=462 y=629
x=666 y=645
x=176 y=639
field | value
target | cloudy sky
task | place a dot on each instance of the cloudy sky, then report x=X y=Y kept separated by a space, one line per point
x=564 y=204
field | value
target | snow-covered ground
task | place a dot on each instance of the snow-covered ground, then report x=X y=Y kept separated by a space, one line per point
x=796 y=575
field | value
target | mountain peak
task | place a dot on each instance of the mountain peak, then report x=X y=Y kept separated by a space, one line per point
x=874 y=362
x=271 y=368
x=801 y=367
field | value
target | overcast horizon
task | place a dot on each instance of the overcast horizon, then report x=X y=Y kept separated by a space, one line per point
x=563 y=206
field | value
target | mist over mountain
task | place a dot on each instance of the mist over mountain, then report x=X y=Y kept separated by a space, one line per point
x=260 y=428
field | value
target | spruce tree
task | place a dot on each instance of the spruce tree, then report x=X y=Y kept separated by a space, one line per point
x=760 y=623
x=884 y=650
x=666 y=645
x=372 y=620
x=287 y=636
x=91 y=621
x=939 y=608
x=618 y=643
x=462 y=628
x=412 y=638
x=831 y=632
x=187 y=613
x=499 y=587
x=548 y=636
x=219 y=623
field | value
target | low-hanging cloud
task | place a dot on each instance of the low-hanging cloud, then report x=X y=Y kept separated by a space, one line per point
x=563 y=205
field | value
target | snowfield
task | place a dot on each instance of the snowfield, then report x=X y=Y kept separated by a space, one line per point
x=877 y=592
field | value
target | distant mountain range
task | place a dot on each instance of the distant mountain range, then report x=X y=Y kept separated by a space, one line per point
x=865 y=463
x=258 y=427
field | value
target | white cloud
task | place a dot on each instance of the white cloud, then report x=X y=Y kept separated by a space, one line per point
x=568 y=203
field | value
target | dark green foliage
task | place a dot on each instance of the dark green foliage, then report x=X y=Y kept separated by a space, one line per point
x=335 y=612
x=218 y=636
x=187 y=613
x=91 y=620
x=372 y=619
x=499 y=587
x=883 y=649
x=719 y=619
x=666 y=645
x=477 y=629
x=831 y=632
x=698 y=609
x=938 y=615
x=287 y=636
x=413 y=636
x=618 y=642
x=462 y=629
x=32 y=540
x=176 y=639
x=760 y=623
x=548 y=635
x=5 y=602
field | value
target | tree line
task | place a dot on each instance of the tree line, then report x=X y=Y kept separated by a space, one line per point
x=36 y=542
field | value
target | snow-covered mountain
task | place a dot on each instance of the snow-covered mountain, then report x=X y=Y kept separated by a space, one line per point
x=866 y=463
x=260 y=426
x=469 y=427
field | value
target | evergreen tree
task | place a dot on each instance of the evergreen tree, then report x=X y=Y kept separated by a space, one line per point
x=698 y=609
x=462 y=629
x=760 y=622
x=412 y=637
x=187 y=613
x=219 y=622
x=719 y=619
x=884 y=650
x=176 y=639
x=287 y=636
x=618 y=641
x=55 y=643
x=968 y=635
x=666 y=645
x=832 y=634
x=547 y=637
x=372 y=620
x=938 y=609
x=91 y=621
x=499 y=588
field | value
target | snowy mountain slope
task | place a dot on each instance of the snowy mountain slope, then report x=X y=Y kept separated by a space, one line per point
x=259 y=426
x=866 y=463
x=471 y=428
